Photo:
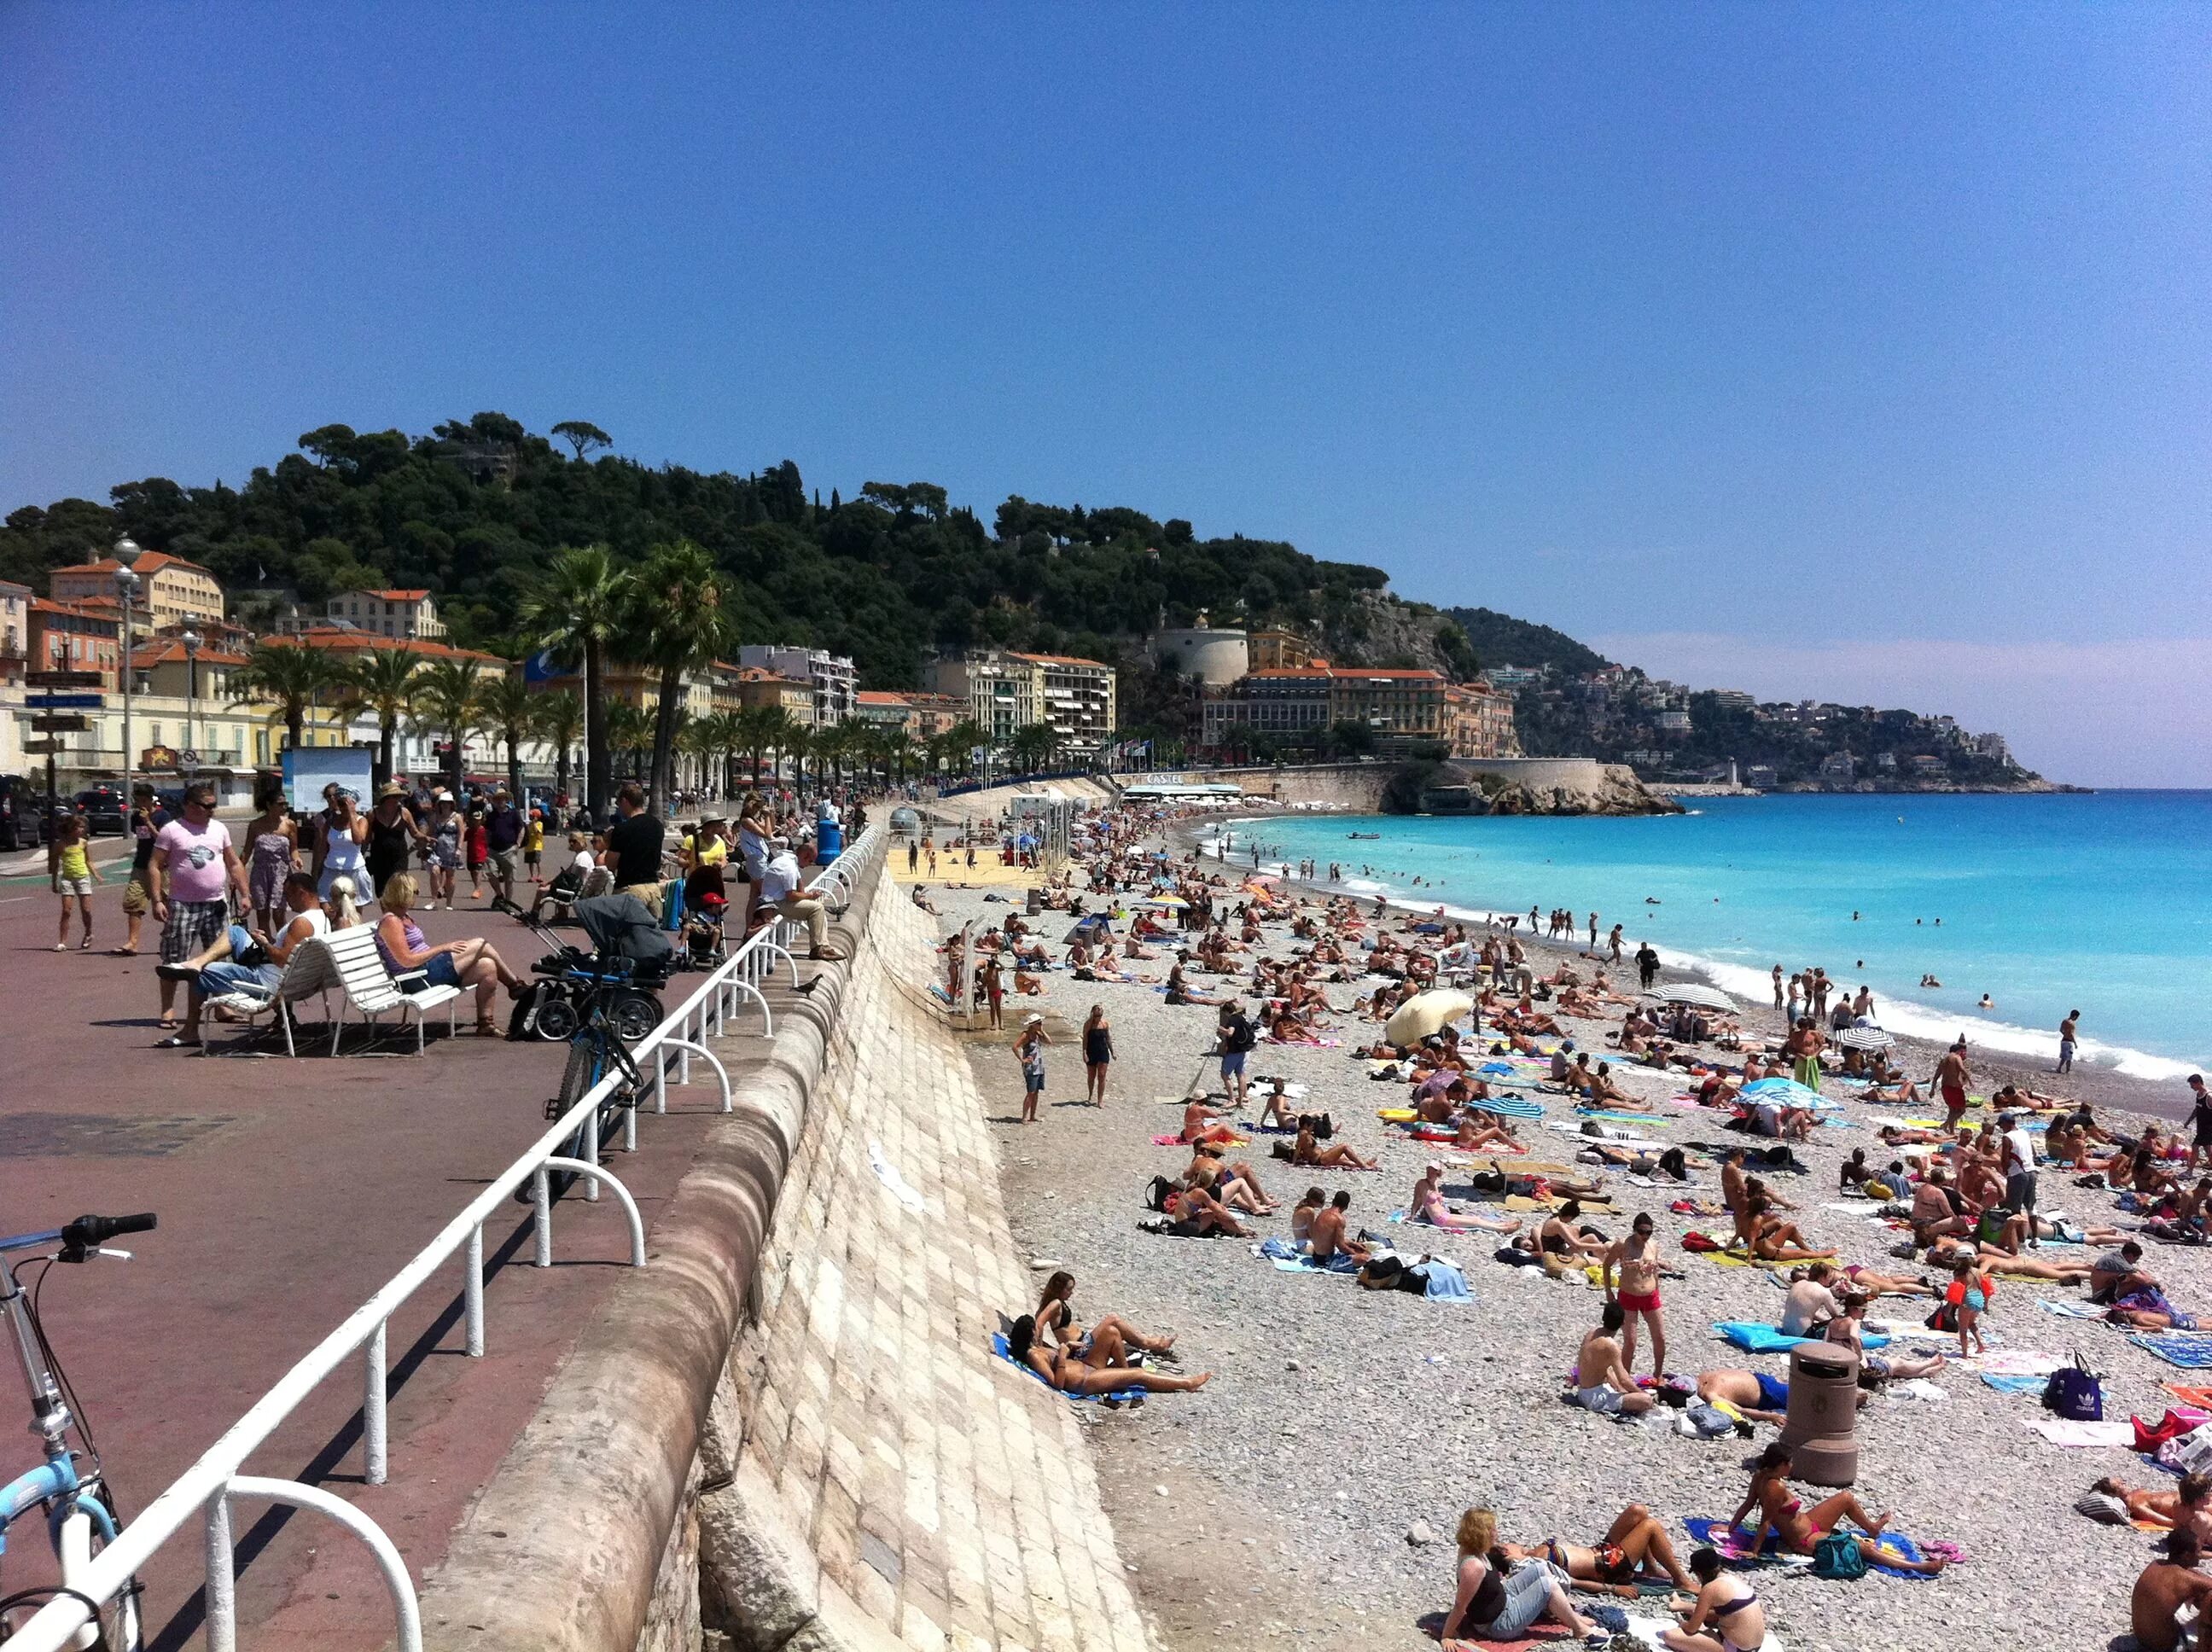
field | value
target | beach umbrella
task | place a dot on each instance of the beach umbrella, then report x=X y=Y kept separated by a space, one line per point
x=1423 y=1014
x=1864 y=1038
x=1695 y=992
x=1165 y=901
x=1784 y=1093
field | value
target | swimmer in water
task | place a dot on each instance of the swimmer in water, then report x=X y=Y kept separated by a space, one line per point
x=1988 y=1003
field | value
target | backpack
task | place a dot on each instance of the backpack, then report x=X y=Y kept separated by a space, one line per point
x=1156 y=1196
x=2075 y=1393
x=1945 y=1317
x=1838 y=1559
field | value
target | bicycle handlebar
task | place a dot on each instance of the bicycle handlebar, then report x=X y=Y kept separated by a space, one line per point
x=87 y=1232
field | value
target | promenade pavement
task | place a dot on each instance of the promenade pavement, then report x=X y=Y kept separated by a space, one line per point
x=288 y=1192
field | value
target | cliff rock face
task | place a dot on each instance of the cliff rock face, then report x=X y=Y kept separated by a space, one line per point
x=1569 y=787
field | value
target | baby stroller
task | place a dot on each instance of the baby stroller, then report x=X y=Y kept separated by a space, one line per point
x=630 y=958
x=704 y=937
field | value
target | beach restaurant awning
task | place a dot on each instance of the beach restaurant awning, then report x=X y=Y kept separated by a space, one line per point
x=1695 y=992
x=1864 y=1038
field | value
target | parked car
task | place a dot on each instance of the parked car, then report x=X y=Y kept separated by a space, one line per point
x=21 y=806
x=104 y=809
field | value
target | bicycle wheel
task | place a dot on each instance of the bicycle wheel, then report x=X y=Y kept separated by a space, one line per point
x=585 y=1068
x=633 y=1013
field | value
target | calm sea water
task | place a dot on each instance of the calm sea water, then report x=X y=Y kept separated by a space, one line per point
x=2101 y=903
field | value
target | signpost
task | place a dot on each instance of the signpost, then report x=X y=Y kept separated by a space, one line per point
x=64 y=679
x=64 y=701
x=52 y=723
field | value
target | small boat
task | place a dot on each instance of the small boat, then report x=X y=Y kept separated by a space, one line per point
x=1364 y=837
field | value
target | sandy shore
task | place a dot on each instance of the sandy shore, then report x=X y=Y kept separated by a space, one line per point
x=1273 y=1508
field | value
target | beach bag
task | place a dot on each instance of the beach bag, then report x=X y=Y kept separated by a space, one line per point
x=1156 y=1196
x=2075 y=1393
x=1837 y=1558
x=1945 y=1317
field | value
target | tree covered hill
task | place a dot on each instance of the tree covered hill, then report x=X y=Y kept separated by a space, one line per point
x=1501 y=640
x=472 y=511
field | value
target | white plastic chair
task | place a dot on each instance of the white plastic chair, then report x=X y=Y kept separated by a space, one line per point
x=372 y=989
x=311 y=971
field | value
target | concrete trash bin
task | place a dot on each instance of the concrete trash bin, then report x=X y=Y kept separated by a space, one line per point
x=1821 y=1426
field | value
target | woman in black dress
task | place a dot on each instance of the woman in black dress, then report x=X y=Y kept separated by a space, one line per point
x=1098 y=1054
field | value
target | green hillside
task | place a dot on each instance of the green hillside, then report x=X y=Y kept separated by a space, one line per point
x=1501 y=640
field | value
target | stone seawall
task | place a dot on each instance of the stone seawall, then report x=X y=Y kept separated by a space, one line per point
x=789 y=1429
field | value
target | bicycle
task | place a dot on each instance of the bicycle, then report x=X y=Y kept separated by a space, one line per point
x=81 y=1518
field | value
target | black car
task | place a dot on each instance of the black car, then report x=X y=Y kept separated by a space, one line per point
x=21 y=804
x=104 y=809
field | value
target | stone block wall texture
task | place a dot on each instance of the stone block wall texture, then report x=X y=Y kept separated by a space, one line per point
x=891 y=1482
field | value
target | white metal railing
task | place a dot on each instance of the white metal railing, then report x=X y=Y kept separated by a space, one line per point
x=210 y=1486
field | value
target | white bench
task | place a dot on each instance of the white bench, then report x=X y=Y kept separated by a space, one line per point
x=372 y=989
x=311 y=970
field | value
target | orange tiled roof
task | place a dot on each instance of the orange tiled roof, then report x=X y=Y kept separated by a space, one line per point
x=164 y=651
x=394 y=595
x=148 y=562
x=338 y=638
x=881 y=697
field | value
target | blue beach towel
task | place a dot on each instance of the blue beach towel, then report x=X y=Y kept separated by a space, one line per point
x=2190 y=1350
x=1755 y=1337
x=1446 y=1282
x=1734 y=1545
x=999 y=1347
x=2004 y=1384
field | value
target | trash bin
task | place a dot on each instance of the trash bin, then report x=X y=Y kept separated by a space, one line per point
x=1036 y=902
x=1821 y=1426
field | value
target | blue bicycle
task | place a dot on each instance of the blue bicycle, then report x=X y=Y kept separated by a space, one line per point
x=79 y=1507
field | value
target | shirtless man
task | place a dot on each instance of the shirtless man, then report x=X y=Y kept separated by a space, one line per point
x=2165 y=1589
x=1936 y=1210
x=1636 y=1259
x=1760 y=1398
x=1951 y=1084
x=1328 y=1237
x=1602 y=1383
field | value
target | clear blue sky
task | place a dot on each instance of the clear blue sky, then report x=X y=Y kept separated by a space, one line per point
x=1849 y=350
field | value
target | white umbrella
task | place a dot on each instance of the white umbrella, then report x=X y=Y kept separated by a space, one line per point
x=1423 y=1014
x=1864 y=1038
x=1691 y=992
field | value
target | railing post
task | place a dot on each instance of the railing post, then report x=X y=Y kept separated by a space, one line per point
x=222 y=1578
x=591 y=1156
x=541 y=1194
x=372 y=1407
x=683 y=1061
x=660 y=1081
x=629 y=1126
x=473 y=1292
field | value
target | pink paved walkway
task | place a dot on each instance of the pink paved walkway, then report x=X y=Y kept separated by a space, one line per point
x=288 y=1192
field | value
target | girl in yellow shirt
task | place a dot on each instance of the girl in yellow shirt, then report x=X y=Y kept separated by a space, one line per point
x=74 y=875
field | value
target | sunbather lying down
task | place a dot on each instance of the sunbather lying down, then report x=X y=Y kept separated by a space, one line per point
x=1105 y=1369
x=1635 y=1548
x=2164 y=1506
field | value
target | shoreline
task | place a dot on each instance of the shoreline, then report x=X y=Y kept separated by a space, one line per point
x=2103 y=1088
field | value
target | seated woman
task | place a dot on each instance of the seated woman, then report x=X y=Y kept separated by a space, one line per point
x=1200 y=1123
x=1773 y=1240
x=1179 y=990
x=1634 y=1549
x=1193 y=1214
x=1479 y=1127
x=1308 y=1150
x=1564 y=1235
x=473 y=962
x=1309 y=1205
x=1428 y=1207
x=1782 y=1517
x=1498 y=1601
x=1603 y=1089
x=1104 y=1370
x=1726 y=1616
x=1055 y=1318
x=1236 y=1185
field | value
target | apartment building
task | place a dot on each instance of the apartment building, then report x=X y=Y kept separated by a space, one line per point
x=1479 y=723
x=171 y=591
x=1003 y=690
x=412 y=614
x=835 y=682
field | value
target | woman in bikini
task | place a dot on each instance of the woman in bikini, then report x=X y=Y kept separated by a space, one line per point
x=1773 y=1240
x=1782 y=1515
x=1428 y=1207
x=1104 y=1369
x=1309 y=1152
x=1635 y=1549
x=1726 y=1617
x=1055 y=1317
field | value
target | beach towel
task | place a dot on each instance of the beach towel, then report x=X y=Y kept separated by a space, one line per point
x=2061 y=1432
x=1340 y=1263
x=2072 y=1310
x=1610 y=1117
x=2004 y=1384
x=1755 y=1337
x=2190 y=1350
x=1512 y=1107
x=1446 y=1283
x=999 y=1347
x=1648 y=1631
x=2012 y=1362
x=2201 y=1398
x=1735 y=1547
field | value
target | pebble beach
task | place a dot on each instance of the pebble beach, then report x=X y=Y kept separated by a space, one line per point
x=1308 y=1493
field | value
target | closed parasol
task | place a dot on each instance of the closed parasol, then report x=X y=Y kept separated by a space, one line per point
x=1423 y=1014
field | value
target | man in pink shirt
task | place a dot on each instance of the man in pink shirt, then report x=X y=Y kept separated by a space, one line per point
x=194 y=871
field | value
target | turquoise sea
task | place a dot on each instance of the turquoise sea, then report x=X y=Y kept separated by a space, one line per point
x=2098 y=902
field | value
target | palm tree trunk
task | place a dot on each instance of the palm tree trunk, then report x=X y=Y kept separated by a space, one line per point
x=560 y=767
x=295 y=717
x=455 y=757
x=663 y=780
x=383 y=752
x=599 y=772
x=514 y=765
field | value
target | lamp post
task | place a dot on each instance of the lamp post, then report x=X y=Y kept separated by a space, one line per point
x=126 y=587
x=191 y=641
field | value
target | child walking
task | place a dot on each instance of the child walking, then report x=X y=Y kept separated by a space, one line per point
x=73 y=874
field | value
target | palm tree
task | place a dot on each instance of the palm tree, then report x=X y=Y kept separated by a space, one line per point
x=511 y=709
x=795 y=741
x=962 y=741
x=627 y=730
x=560 y=723
x=577 y=613
x=449 y=695
x=288 y=676
x=677 y=624
x=765 y=726
x=381 y=681
x=715 y=742
x=1031 y=746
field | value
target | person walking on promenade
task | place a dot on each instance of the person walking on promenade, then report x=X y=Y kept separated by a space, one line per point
x=146 y=822
x=1098 y=1054
x=195 y=872
x=393 y=833
x=504 y=830
x=1029 y=1050
x=272 y=846
x=71 y=868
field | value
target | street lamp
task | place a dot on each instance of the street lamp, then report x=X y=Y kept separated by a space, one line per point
x=126 y=587
x=191 y=641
